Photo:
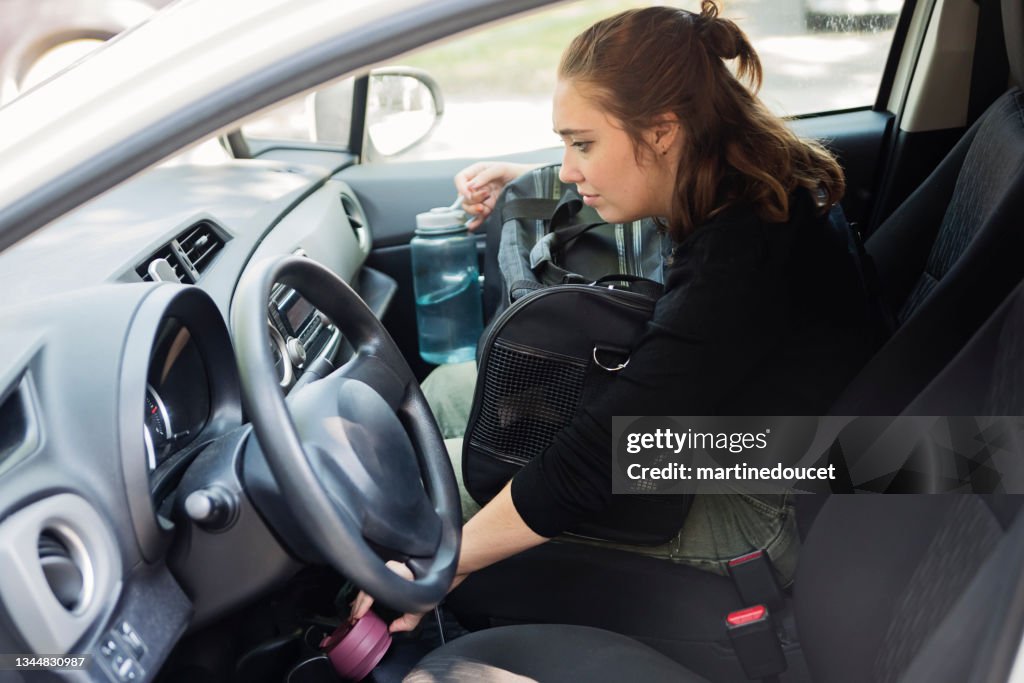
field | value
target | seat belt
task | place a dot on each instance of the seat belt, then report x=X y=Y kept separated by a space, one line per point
x=754 y=578
x=990 y=69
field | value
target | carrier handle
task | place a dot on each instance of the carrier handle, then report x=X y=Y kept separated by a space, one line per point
x=621 y=366
x=638 y=284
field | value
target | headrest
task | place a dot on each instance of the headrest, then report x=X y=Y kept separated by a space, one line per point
x=1013 y=31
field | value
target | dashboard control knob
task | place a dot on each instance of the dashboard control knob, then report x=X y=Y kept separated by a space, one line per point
x=296 y=351
x=213 y=508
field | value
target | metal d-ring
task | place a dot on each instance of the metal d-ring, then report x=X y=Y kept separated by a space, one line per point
x=601 y=365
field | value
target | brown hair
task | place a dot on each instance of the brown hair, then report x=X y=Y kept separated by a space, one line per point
x=644 y=63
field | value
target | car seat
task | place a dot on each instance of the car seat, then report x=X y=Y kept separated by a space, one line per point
x=987 y=376
x=950 y=253
x=890 y=588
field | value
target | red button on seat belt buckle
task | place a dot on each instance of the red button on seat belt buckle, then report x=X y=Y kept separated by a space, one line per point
x=747 y=616
x=743 y=559
x=755 y=642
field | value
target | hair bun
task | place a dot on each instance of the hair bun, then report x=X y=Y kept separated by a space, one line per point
x=721 y=37
x=708 y=9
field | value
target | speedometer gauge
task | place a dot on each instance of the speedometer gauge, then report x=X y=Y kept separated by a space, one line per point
x=157 y=423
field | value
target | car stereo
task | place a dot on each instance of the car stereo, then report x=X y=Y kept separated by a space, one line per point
x=296 y=318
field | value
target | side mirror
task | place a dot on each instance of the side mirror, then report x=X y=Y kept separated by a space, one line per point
x=403 y=107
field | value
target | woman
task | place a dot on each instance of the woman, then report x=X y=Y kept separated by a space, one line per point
x=762 y=313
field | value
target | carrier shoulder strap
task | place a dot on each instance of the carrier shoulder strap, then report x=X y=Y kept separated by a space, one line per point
x=542 y=255
x=567 y=210
x=561 y=237
x=528 y=208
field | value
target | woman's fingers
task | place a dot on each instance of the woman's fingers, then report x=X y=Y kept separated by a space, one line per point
x=480 y=212
x=406 y=622
x=478 y=208
x=363 y=602
x=489 y=176
x=360 y=606
x=400 y=569
x=497 y=174
x=480 y=184
x=464 y=178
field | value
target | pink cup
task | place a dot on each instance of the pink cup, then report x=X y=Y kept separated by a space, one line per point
x=354 y=650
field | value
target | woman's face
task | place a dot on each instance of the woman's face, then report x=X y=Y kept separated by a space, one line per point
x=600 y=159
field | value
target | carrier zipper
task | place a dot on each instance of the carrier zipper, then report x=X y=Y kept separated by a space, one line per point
x=499 y=323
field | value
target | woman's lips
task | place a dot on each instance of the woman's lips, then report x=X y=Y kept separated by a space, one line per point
x=590 y=199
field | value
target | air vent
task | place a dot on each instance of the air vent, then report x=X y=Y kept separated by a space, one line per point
x=60 y=570
x=13 y=424
x=19 y=423
x=189 y=254
x=63 y=575
x=168 y=254
x=357 y=221
x=200 y=245
x=353 y=212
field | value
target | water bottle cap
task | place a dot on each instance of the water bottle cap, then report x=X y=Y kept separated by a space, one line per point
x=440 y=221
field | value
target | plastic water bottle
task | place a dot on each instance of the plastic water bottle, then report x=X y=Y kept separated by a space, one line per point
x=446 y=280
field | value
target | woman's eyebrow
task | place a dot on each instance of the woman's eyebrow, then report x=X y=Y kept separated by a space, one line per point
x=572 y=131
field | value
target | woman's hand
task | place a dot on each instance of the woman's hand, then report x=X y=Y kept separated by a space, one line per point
x=494 y=533
x=361 y=605
x=481 y=183
x=407 y=622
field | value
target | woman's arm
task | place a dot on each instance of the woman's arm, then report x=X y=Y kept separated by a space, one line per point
x=494 y=533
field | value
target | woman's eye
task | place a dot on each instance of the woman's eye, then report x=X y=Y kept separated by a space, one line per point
x=581 y=145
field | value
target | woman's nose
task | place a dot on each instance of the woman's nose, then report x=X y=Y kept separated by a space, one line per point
x=569 y=173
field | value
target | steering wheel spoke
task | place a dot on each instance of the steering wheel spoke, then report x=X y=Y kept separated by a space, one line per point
x=369 y=369
x=357 y=454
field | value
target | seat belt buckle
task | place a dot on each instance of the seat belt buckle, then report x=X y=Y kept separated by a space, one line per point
x=755 y=642
x=754 y=578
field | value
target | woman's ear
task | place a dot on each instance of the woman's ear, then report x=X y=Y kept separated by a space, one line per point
x=664 y=133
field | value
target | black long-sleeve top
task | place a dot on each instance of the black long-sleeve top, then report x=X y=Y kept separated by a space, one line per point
x=756 y=319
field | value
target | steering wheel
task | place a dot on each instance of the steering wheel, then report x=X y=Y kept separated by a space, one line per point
x=357 y=454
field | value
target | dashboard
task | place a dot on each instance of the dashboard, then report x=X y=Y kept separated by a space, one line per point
x=119 y=399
